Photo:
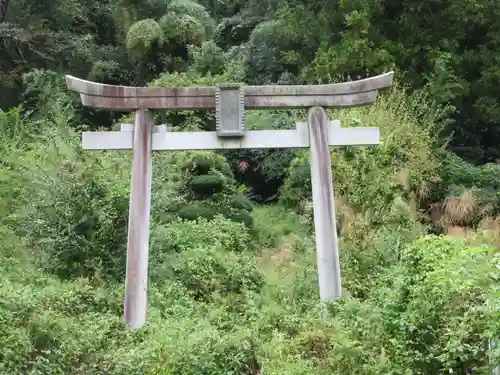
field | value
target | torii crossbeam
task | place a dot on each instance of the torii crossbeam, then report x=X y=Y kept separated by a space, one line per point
x=230 y=101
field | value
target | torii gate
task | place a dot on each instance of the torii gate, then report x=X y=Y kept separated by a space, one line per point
x=230 y=101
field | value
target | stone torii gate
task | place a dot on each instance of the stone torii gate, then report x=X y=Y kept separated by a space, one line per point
x=230 y=101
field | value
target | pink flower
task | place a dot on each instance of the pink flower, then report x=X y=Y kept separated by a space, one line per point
x=243 y=165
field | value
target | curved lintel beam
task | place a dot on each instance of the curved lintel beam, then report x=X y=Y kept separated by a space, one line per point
x=346 y=94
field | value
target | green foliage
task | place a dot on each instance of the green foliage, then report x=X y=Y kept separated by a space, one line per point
x=160 y=44
x=368 y=252
x=182 y=28
x=48 y=326
x=375 y=180
x=205 y=270
x=456 y=175
x=62 y=35
x=75 y=218
x=451 y=54
x=209 y=58
x=44 y=88
x=206 y=185
x=142 y=37
x=267 y=167
x=106 y=71
x=430 y=326
x=235 y=354
x=71 y=229
x=203 y=164
x=210 y=184
x=451 y=57
x=192 y=211
x=194 y=10
x=210 y=310
x=181 y=235
x=455 y=171
x=242 y=216
x=234 y=30
x=443 y=277
x=13 y=127
x=274 y=223
x=242 y=202
x=266 y=58
x=205 y=257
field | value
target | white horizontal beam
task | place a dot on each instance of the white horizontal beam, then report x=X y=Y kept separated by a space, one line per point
x=176 y=141
x=130 y=128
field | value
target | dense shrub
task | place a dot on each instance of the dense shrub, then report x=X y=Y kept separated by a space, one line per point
x=53 y=327
x=13 y=128
x=205 y=270
x=197 y=347
x=442 y=305
x=208 y=58
x=72 y=207
x=208 y=189
x=180 y=235
x=465 y=194
x=205 y=257
x=432 y=312
x=373 y=179
x=182 y=28
x=142 y=37
x=274 y=223
x=365 y=255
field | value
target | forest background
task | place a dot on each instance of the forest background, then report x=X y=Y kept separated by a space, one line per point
x=233 y=285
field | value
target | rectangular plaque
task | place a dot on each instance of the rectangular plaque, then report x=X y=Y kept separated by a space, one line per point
x=230 y=110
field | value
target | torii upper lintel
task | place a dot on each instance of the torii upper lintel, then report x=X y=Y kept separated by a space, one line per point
x=346 y=94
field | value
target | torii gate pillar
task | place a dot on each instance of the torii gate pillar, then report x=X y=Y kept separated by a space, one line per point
x=327 y=249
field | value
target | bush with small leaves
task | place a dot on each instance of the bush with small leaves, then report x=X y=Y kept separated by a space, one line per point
x=241 y=202
x=241 y=216
x=234 y=30
x=205 y=270
x=197 y=346
x=182 y=28
x=210 y=189
x=206 y=185
x=53 y=327
x=372 y=180
x=209 y=58
x=195 y=10
x=206 y=257
x=142 y=37
x=181 y=235
x=71 y=207
x=193 y=211
x=440 y=304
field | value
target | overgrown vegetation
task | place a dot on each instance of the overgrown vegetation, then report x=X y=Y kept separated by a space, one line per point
x=233 y=277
